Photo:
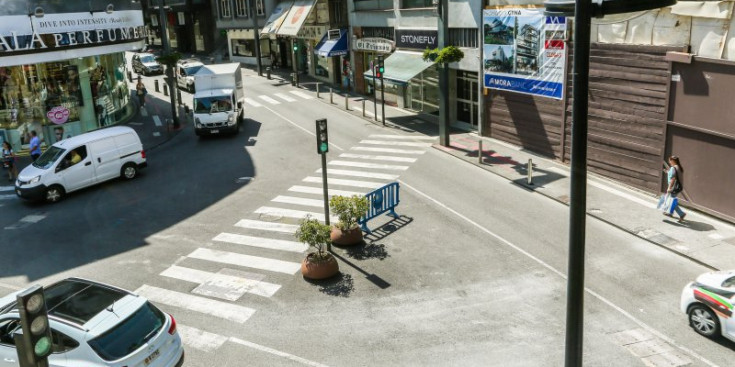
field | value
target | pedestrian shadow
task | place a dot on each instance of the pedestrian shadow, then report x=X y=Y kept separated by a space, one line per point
x=387 y=229
x=691 y=224
x=340 y=285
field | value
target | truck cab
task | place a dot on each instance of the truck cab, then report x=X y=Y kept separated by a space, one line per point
x=219 y=100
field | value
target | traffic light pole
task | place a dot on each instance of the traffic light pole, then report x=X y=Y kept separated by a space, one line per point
x=326 y=195
x=382 y=98
x=254 y=16
x=375 y=92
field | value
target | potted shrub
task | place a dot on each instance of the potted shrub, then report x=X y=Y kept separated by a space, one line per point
x=319 y=264
x=348 y=210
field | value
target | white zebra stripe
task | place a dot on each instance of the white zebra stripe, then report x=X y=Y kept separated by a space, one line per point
x=207 y=306
x=157 y=120
x=301 y=94
x=298 y=201
x=289 y=213
x=284 y=97
x=267 y=226
x=380 y=176
x=232 y=287
x=253 y=102
x=269 y=100
x=144 y=112
x=368 y=165
x=247 y=261
x=200 y=339
x=396 y=143
x=388 y=150
x=378 y=157
x=320 y=191
x=337 y=181
x=403 y=137
x=8 y=196
x=7 y=188
x=260 y=242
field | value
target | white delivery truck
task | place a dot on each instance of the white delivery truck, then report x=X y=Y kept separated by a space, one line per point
x=219 y=99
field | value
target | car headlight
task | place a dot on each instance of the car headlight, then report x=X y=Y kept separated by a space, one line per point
x=231 y=119
x=34 y=180
x=198 y=122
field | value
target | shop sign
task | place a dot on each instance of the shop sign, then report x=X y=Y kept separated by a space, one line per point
x=414 y=38
x=374 y=44
x=313 y=32
x=58 y=115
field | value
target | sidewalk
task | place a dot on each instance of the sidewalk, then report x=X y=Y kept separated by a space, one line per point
x=701 y=238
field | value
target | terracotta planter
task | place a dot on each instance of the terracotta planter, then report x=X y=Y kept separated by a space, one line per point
x=346 y=238
x=319 y=270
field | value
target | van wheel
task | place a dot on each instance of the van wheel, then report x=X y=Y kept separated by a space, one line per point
x=129 y=171
x=54 y=193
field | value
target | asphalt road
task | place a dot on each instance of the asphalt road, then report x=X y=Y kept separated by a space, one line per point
x=472 y=273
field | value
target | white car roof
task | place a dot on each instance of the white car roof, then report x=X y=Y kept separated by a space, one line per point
x=213 y=93
x=85 y=138
x=715 y=279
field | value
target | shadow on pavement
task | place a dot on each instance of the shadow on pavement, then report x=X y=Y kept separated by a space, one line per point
x=340 y=285
x=387 y=229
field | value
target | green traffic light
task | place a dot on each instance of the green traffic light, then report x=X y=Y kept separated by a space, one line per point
x=323 y=147
x=42 y=347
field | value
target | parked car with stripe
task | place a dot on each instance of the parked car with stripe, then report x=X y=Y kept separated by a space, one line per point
x=708 y=302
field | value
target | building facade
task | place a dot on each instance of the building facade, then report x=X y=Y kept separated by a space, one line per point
x=189 y=25
x=63 y=69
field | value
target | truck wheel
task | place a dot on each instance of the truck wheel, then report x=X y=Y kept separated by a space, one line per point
x=129 y=171
x=54 y=193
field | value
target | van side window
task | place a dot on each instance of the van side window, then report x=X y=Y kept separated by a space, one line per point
x=76 y=155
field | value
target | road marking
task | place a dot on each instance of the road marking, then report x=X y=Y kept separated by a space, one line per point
x=289 y=213
x=276 y=352
x=378 y=157
x=396 y=143
x=562 y=275
x=301 y=94
x=7 y=188
x=337 y=181
x=388 y=150
x=403 y=137
x=298 y=201
x=206 y=306
x=34 y=218
x=320 y=191
x=384 y=176
x=156 y=133
x=300 y=127
x=267 y=226
x=285 y=97
x=8 y=196
x=252 y=102
x=261 y=242
x=136 y=123
x=143 y=112
x=247 y=261
x=269 y=100
x=368 y=165
x=157 y=120
x=227 y=286
x=199 y=339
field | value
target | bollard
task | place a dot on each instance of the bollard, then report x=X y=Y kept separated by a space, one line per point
x=530 y=172
x=363 y=108
x=317 y=90
x=155 y=82
x=165 y=89
x=130 y=76
x=347 y=106
x=479 y=152
x=331 y=100
x=178 y=95
x=268 y=72
x=293 y=78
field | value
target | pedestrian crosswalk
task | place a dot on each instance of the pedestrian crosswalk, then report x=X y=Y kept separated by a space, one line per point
x=250 y=258
x=279 y=98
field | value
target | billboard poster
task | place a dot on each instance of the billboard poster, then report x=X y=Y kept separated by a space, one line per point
x=524 y=51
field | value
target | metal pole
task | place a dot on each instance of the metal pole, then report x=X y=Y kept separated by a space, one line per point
x=578 y=189
x=293 y=63
x=530 y=171
x=326 y=195
x=363 y=108
x=169 y=71
x=382 y=98
x=331 y=100
x=375 y=94
x=479 y=151
x=254 y=16
x=317 y=90
x=444 y=75
x=347 y=106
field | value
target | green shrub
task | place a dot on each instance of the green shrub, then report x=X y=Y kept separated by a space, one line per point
x=315 y=234
x=348 y=210
x=443 y=56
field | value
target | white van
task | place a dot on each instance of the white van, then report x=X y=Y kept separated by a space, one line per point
x=84 y=160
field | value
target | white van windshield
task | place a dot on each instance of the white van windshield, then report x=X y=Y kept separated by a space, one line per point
x=212 y=104
x=47 y=159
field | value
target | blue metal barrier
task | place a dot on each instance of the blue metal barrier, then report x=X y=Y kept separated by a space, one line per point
x=381 y=200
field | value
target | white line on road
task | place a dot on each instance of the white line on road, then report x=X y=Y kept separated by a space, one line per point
x=207 y=306
x=300 y=127
x=248 y=261
x=388 y=150
x=199 y=339
x=285 y=97
x=8 y=196
x=336 y=181
x=276 y=352
x=156 y=133
x=320 y=191
x=378 y=157
x=298 y=201
x=7 y=188
x=229 y=287
x=403 y=137
x=252 y=102
x=383 y=176
x=562 y=275
x=396 y=143
x=144 y=111
x=157 y=120
x=261 y=242
x=289 y=213
x=368 y=165
x=267 y=226
x=301 y=94
x=269 y=100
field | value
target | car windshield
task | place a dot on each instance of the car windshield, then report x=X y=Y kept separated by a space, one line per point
x=191 y=70
x=47 y=159
x=129 y=335
x=147 y=58
x=212 y=104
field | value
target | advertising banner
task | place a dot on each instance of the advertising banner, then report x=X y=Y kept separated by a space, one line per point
x=277 y=17
x=296 y=17
x=524 y=51
x=75 y=22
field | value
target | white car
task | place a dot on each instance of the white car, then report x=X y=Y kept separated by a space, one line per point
x=185 y=70
x=708 y=302
x=94 y=324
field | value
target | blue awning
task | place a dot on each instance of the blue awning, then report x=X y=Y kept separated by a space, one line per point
x=335 y=46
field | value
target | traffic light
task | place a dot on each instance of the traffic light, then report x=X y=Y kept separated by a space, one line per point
x=322 y=140
x=295 y=46
x=381 y=66
x=34 y=323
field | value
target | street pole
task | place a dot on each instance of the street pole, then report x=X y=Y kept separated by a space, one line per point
x=326 y=195
x=254 y=17
x=578 y=189
x=169 y=71
x=443 y=75
x=375 y=92
x=382 y=98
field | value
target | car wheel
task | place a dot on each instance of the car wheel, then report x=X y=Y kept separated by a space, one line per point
x=704 y=321
x=129 y=171
x=54 y=194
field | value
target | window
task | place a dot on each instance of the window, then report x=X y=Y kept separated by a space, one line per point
x=337 y=12
x=8 y=327
x=129 y=334
x=407 y=4
x=62 y=343
x=463 y=37
x=379 y=32
x=241 y=8
x=243 y=47
x=224 y=9
x=259 y=7
x=373 y=5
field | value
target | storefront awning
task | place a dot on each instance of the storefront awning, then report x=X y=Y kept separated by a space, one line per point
x=402 y=66
x=334 y=46
x=296 y=17
x=276 y=19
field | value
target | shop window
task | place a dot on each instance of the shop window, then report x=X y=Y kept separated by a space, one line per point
x=463 y=37
x=373 y=4
x=243 y=47
x=408 y=4
x=379 y=32
x=224 y=9
x=241 y=8
x=259 y=7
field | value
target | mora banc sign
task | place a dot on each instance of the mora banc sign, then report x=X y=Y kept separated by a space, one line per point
x=374 y=44
x=415 y=38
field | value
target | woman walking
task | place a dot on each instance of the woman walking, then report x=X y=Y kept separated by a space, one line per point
x=9 y=161
x=675 y=186
x=141 y=92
